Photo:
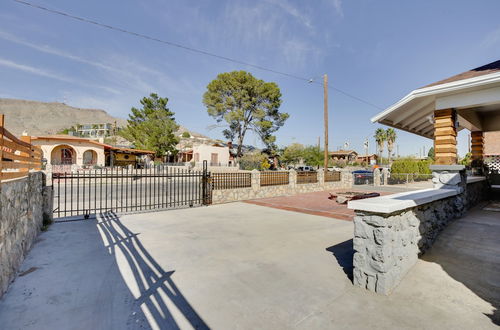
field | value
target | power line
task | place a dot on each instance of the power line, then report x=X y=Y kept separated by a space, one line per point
x=191 y=49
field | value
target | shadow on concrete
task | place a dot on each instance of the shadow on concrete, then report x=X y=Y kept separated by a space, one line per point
x=469 y=252
x=344 y=253
x=155 y=285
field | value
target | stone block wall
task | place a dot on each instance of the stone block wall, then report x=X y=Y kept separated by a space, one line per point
x=256 y=191
x=387 y=245
x=22 y=210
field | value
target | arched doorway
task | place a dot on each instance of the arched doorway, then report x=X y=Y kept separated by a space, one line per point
x=89 y=157
x=63 y=155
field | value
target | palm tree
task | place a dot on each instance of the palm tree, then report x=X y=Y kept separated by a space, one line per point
x=390 y=136
x=380 y=137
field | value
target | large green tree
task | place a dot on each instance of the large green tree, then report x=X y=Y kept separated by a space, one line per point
x=153 y=126
x=245 y=103
x=293 y=154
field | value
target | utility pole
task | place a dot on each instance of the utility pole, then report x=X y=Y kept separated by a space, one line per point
x=325 y=110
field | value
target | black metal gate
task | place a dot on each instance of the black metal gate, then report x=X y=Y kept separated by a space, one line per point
x=86 y=192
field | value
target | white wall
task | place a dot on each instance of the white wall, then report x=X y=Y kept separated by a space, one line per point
x=205 y=153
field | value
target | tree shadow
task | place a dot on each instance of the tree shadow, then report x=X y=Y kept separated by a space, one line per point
x=344 y=253
x=155 y=285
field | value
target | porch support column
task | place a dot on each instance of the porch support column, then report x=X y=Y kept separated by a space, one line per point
x=477 y=141
x=445 y=137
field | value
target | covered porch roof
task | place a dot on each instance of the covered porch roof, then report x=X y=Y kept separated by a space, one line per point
x=474 y=94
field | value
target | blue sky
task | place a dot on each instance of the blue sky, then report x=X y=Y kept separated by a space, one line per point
x=376 y=50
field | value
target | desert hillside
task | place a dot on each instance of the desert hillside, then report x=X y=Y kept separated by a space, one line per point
x=39 y=118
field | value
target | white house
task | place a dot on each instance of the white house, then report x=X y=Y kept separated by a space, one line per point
x=215 y=155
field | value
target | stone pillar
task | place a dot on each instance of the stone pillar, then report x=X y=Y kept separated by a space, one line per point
x=321 y=177
x=445 y=137
x=292 y=181
x=376 y=177
x=385 y=176
x=346 y=179
x=255 y=180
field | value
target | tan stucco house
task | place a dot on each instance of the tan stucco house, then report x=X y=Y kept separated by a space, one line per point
x=67 y=151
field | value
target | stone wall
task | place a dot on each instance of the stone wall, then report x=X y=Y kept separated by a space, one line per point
x=476 y=192
x=256 y=191
x=387 y=245
x=22 y=212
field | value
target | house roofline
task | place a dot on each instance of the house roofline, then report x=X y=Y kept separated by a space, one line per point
x=438 y=89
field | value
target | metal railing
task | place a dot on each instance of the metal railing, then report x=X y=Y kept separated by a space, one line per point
x=274 y=178
x=230 y=180
x=307 y=177
x=406 y=178
x=332 y=176
x=87 y=192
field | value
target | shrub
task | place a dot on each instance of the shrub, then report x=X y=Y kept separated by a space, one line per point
x=252 y=161
x=418 y=168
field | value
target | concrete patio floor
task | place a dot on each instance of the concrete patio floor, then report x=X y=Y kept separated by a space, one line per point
x=244 y=266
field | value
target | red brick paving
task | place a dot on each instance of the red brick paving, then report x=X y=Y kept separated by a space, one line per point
x=315 y=203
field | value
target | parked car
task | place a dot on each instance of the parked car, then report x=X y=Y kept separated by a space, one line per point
x=363 y=177
x=305 y=169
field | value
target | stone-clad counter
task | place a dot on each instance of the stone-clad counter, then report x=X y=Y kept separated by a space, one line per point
x=390 y=232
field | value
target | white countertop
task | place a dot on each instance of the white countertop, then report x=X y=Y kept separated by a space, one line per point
x=401 y=201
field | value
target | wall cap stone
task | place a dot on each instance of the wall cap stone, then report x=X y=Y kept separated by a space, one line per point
x=447 y=167
x=401 y=201
x=472 y=179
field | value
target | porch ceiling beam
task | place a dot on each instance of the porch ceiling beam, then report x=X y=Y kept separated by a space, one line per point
x=418 y=122
x=414 y=112
x=425 y=124
x=470 y=120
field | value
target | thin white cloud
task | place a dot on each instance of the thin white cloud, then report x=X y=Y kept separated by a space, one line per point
x=491 y=39
x=293 y=11
x=125 y=72
x=58 y=52
x=337 y=4
x=48 y=74
x=268 y=30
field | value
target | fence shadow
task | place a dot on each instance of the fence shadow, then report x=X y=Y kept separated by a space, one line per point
x=155 y=285
x=344 y=253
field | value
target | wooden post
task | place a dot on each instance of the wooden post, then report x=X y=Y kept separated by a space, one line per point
x=2 y=118
x=477 y=142
x=445 y=137
x=325 y=114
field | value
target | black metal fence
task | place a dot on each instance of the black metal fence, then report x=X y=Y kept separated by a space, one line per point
x=307 y=177
x=230 y=180
x=274 y=178
x=87 y=192
x=332 y=176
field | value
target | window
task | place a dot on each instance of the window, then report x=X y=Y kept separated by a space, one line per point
x=196 y=157
x=89 y=157
x=214 y=158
